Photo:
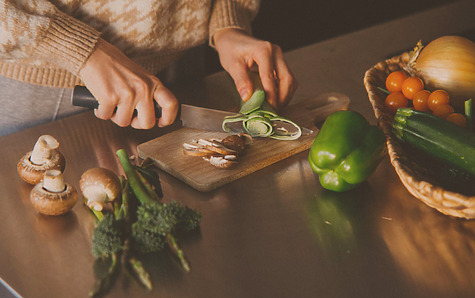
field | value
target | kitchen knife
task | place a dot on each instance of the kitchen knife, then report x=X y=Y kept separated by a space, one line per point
x=190 y=116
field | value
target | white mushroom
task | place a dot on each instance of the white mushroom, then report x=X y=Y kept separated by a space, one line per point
x=44 y=156
x=223 y=162
x=99 y=185
x=216 y=146
x=52 y=196
x=237 y=142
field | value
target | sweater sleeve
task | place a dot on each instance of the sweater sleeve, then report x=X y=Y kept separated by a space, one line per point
x=232 y=14
x=37 y=29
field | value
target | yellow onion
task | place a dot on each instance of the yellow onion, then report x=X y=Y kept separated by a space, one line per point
x=447 y=63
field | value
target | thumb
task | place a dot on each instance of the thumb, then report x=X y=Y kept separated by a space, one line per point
x=243 y=83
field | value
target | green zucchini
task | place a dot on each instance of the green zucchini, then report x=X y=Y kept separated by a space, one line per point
x=437 y=137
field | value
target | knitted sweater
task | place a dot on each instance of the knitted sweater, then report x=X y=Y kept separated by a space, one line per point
x=47 y=42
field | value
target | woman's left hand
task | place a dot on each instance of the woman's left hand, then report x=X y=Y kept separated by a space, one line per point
x=238 y=52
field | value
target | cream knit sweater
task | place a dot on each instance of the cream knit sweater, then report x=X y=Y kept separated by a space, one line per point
x=47 y=42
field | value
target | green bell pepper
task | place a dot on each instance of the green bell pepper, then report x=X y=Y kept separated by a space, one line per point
x=346 y=151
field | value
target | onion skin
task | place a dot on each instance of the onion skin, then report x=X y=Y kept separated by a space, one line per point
x=447 y=63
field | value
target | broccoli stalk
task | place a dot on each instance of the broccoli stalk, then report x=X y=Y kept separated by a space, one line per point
x=107 y=242
x=110 y=239
x=156 y=220
x=105 y=283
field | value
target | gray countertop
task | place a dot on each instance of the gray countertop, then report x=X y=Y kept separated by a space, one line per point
x=274 y=233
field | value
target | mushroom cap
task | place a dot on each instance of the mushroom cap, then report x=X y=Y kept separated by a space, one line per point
x=33 y=173
x=100 y=182
x=53 y=203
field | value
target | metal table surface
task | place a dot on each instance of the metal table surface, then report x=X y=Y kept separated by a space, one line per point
x=274 y=233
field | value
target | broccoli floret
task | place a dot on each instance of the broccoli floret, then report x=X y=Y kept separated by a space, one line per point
x=108 y=237
x=155 y=221
x=145 y=241
x=187 y=219
x=156 y=218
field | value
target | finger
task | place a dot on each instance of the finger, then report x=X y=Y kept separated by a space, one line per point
x=242 y=81
x=106 y=109
x=287 y=82
x=265 y=62
x=169 y=104
x=145 y=118
x=124 y=113
x=124 y=109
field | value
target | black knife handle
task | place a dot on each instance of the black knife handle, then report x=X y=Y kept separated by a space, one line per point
x=82 y=97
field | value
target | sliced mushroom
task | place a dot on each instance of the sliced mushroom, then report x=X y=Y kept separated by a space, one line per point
x=237 y=142
x=219 y=153
x=223 y=162
x=216 y=146
x=99 y=185
x=52 y=196
x=44 y=156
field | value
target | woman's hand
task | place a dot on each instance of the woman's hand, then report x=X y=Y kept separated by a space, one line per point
x=238 y=52
x=122 y=86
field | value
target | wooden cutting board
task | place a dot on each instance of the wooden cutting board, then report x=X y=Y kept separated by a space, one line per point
x=167 y=151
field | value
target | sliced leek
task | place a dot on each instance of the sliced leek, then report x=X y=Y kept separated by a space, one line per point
x=253 y=103
x=259 y=120
x=284 y=129
x=258 y=125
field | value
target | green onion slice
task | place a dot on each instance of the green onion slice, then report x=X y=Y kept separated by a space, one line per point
x=284 y=129
x=258 y=119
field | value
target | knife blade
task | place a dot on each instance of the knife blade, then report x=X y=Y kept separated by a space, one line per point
x=190 y=116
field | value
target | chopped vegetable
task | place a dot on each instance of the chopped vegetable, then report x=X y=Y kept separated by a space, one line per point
x=260 y=120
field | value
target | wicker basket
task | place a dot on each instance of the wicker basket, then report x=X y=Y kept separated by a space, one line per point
x=409 y=171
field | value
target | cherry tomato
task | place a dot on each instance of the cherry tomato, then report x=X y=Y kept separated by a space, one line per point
x=411 y=86
x=395 y=101
x=419 y=101
x=394 y=81
x=438 y=98
x=457 y=119
x=443 y=111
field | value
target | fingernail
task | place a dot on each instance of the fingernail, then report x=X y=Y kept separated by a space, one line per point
x=245 y=94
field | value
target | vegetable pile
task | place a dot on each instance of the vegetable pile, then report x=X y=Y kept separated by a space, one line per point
x=406 y=91
x=446 y=63
x=431 y=100
x=439 y=79
x=137 y=223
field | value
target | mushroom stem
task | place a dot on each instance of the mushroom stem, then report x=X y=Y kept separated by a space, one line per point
x=96 y=197
x=43 y=149
x=53 y=181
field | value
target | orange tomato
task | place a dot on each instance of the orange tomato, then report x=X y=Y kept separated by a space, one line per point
x=457 y=119
x=419 y=101
x=411 y=86
x=438 y=98
x=395 y=101
x=394 y=81
x=443 y=111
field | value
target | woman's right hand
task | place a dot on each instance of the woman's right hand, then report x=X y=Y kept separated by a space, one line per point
x=122 y=86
